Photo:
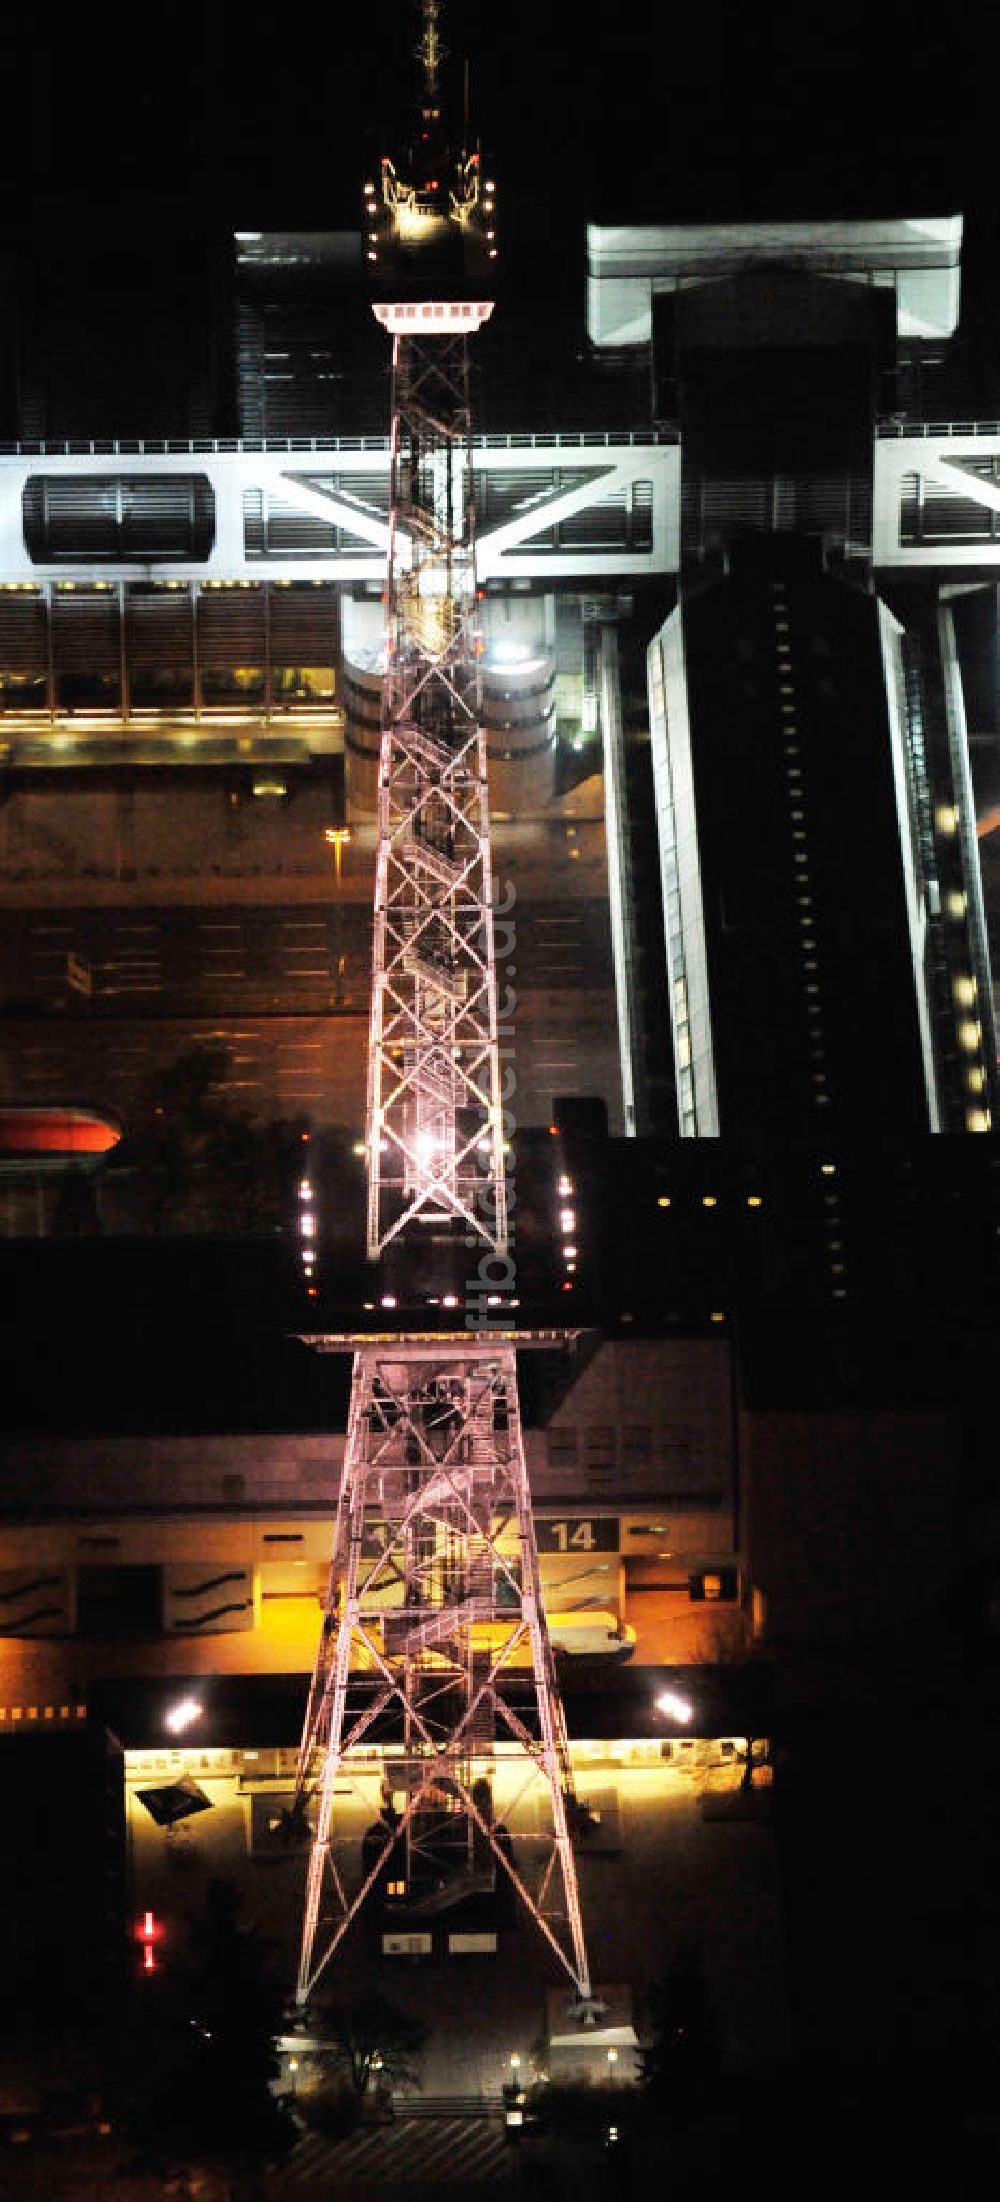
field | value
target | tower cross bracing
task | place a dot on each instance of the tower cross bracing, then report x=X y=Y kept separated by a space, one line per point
x=434 y=1638
x=435 y=1634
x=435 y=1124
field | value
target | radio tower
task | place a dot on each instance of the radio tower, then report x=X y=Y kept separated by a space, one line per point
x=434 y=1632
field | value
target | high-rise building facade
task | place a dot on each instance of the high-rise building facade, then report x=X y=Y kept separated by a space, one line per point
x=826 y=944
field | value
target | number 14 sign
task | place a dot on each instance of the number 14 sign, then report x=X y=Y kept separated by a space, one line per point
x=577 y=1533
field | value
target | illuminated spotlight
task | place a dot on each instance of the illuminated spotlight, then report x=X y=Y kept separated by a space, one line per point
x=570 y=1253
x=564 y=1187
x=182 y=1715
x=307 y=1226
x=675 y=1706
x=358 y=1147
x=389 y=1300
x=450 y=1300
x=305 y=1189
x=426 y=1143
x=493 y=1299
x=567 y=1219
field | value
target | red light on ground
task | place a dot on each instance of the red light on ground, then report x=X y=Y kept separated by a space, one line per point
x=567 y=1287
x=148 y=1959
x=148 y=1925
x=553 y=1131
x=311 y=1292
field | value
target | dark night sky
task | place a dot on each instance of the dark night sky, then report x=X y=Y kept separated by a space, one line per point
x=150 y=124
x=681 y=112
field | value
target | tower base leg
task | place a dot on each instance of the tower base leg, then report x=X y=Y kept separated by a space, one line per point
x=593 y=2038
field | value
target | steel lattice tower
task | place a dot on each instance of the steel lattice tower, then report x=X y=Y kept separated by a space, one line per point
x=434 y=1629
x=435 y=1146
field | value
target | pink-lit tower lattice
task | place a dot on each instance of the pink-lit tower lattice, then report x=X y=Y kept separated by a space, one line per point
x=434 y=1632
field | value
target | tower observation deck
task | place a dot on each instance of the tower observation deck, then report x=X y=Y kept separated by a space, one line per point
x=434 y=1633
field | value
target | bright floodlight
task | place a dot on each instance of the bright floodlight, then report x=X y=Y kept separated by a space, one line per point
x=679 y=1708
x=181 y=1715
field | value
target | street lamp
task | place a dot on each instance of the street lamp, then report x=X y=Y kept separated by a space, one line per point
x=181 y=1715
x=337 y=835
x=675 y=1706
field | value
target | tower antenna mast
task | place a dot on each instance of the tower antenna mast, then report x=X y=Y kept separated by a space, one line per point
x=434 y=1632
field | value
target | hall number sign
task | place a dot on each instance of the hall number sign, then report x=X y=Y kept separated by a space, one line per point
x=577 y=1533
